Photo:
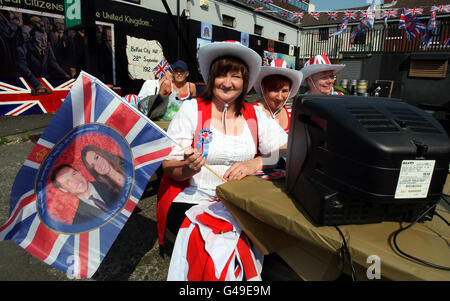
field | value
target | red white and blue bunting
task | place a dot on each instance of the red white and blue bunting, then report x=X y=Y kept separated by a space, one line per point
x=355 y=15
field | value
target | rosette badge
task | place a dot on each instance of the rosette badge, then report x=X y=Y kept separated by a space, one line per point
x=204 y=139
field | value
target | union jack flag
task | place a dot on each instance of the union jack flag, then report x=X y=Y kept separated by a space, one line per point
x=161 y=69
x=298 y=14
x=426 y=39
x=90 y=114
x=251 y=1
x=447 y=42
x=332 y=15
x=342 y=28
x=18 y=97
x=362 y=27
x=436 y=8
x=315 y=15
x=284 y=13
x=389 y=13
x=367 y=14
x=351 y=15
x=413 y=11
x=412 y=26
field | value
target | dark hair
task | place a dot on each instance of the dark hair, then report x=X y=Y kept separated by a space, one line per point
x=275 y=81
x=56 y=170
x=116 y=162
x=223 y=65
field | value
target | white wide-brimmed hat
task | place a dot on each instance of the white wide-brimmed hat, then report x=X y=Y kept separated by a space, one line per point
x=319 y=63
x=279 y=67
x=209 y=52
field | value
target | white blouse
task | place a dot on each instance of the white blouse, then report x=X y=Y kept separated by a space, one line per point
x=224 y=150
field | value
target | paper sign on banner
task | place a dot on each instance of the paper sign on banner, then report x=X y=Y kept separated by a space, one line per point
x=143 y=56
x=414 y=179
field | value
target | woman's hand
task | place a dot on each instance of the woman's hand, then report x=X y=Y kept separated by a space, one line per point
x=240 y=170
x=193 y=161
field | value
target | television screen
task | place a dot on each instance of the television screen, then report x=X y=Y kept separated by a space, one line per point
x=354 y=160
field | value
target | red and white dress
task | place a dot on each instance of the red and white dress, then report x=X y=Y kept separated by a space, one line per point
x=210 y=246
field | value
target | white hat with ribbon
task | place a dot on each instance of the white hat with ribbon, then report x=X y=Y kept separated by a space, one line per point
x=209 y=52
x=319 y=63
x=279 y=67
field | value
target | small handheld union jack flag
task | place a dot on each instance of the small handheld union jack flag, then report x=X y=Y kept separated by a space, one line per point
x=161 y=69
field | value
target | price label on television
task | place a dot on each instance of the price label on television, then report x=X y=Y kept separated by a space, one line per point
x=414 y=179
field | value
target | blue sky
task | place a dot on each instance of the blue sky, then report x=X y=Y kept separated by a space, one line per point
x=324 y=5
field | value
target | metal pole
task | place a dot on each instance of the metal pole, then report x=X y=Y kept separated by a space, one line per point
x=178 y=26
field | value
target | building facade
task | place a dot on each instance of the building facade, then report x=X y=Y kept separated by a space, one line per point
x=122 y=41
x=418 y=74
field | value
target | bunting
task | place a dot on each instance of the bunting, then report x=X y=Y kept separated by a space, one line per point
x=413 y=11
x=315 y=15
x=333 y=15
x=389 y=13
x=298 y=14
x=350 y=14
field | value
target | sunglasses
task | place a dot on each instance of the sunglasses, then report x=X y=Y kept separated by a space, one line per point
x=327 y=76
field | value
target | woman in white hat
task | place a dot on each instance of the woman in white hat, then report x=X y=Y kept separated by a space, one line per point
x=223 y=131
x=276 y=84
x=320 y=75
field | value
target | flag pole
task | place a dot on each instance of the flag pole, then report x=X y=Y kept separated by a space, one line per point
x=206 y=165
x=148 y=119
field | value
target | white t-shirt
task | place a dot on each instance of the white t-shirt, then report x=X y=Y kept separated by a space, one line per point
x=224 y=150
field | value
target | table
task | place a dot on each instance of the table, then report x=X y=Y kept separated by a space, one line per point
x=276 y=223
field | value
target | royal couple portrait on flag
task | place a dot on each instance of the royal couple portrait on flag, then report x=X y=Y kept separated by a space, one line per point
x=83 y=179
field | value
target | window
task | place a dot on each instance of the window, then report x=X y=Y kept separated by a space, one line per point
x=281 y=36
x=258 y=30
x=436 y=68
x=323 y=34
x=227 y=21
x=133 y=1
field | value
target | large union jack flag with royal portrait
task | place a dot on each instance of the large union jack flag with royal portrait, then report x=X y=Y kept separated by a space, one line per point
x=42 y=217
